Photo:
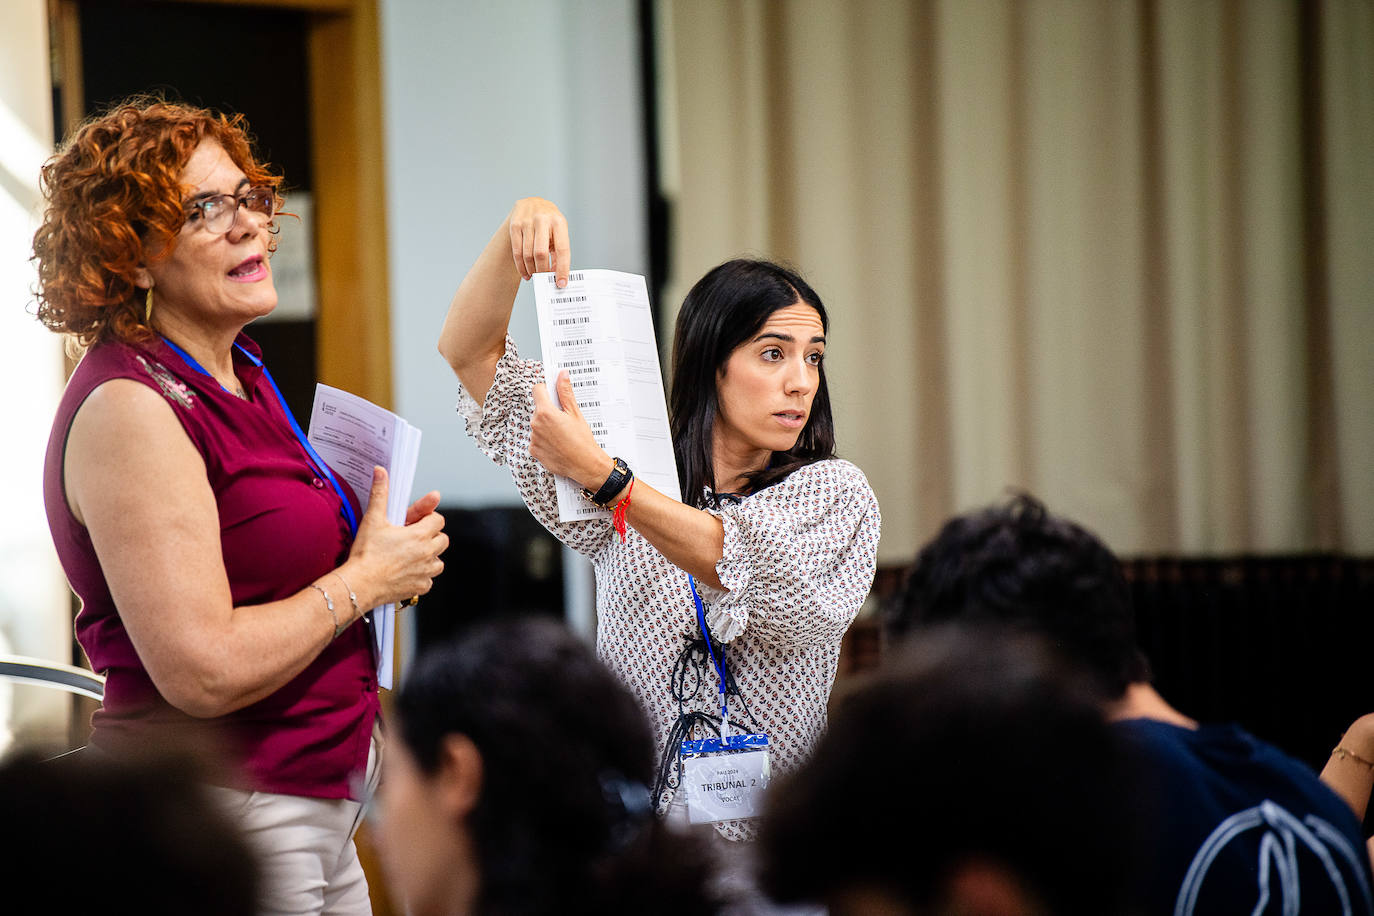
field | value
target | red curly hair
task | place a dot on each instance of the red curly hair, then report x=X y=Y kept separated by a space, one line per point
x=115 y=203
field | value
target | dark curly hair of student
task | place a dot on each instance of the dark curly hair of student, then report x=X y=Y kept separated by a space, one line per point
x=92 y=834
x=724 y=309
x=975 y=750
x=564 y=822
x=1019 y=564
x=115 y=203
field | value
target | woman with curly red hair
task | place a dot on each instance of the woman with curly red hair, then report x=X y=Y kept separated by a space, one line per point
x=222 y=566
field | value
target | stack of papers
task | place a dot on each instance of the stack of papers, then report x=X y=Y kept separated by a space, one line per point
x=600 y=328
x=353 y=435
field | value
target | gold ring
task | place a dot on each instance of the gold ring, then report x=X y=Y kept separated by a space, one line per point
x=411 y=601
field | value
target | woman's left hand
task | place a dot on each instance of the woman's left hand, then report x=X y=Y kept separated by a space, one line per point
x=561 y=440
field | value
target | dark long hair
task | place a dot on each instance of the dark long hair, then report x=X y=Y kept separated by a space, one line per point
x=564 y=823
x=724 y=309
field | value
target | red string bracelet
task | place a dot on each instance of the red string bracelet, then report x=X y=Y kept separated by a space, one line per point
x=618 y=514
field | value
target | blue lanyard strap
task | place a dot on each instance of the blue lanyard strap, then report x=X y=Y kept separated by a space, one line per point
x=710 y=648
x=319 y=463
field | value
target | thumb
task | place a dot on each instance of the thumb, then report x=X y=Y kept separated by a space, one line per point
x=376 y=500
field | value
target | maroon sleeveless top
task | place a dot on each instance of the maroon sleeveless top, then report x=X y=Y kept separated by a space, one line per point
x=281 y=528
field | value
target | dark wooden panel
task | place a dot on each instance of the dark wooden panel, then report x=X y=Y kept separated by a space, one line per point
x=246 y=60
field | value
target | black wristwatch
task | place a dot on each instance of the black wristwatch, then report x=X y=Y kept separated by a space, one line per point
x=617 y=481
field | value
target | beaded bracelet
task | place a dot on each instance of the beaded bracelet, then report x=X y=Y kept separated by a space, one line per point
x=1342 y=753
x=329 y=603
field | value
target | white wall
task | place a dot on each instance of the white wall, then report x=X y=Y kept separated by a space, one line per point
x=34 y=601
x=485 y=103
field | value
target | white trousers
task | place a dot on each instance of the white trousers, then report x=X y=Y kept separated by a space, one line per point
x=308 y=864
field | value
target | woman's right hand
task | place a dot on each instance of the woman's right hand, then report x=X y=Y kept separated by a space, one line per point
x=533 y=237
x=390 y=563
x=539 y=239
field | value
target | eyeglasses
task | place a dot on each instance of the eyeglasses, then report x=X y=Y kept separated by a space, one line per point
x=219 y=213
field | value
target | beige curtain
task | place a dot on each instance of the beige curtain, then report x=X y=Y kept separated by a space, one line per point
x=1115 y=253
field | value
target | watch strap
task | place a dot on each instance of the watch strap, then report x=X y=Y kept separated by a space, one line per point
x=617 y=480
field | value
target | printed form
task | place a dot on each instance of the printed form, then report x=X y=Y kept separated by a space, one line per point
x=352 y=435
x=600 y=328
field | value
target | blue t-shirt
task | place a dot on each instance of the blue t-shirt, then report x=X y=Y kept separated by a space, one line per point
x=1236 y=826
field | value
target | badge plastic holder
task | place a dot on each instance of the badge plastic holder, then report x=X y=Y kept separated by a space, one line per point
x=724 y=778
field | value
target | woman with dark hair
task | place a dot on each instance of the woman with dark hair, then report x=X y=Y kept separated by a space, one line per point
x=776 y=536
x=222 y=566
x=519 y=784
x=727 y=306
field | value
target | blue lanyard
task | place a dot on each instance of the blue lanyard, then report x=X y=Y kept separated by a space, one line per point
x=720 y=669
x=320 y=466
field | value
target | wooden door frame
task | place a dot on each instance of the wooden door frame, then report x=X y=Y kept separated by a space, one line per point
x=347 y=159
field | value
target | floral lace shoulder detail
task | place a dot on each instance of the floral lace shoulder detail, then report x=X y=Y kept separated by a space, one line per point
x=173 y=388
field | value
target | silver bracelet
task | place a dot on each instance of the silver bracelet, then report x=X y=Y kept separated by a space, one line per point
x=352 y=598
x=329 y=603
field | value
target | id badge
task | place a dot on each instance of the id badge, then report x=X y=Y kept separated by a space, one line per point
x=724 y=778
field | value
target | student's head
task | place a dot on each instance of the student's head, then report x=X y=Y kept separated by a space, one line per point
x=1018 y=564
x=725 y=310
x=972 y=774
x=519 y=783
x=87 y=834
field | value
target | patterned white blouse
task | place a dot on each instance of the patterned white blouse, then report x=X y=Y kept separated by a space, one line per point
x=799 y=560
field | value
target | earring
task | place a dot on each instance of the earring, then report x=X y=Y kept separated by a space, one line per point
x=148 y=306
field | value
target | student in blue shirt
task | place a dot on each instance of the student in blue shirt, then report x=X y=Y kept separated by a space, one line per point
x=1238 y=826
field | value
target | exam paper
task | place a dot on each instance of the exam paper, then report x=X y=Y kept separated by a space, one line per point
x=352 y=435
x=600 y=328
